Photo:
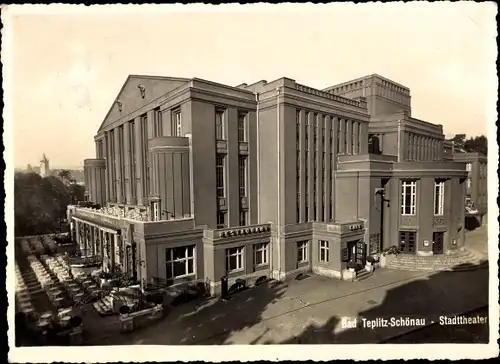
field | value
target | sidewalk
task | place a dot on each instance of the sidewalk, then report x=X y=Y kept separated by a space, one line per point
x=477 y=241
x=310 y=311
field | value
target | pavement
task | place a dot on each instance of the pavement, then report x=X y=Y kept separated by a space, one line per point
x=315 y=310
x=477 y=241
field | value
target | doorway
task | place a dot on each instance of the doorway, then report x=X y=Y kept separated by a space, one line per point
x=352 y=250
x=356 y=253
x=438 y=242
x=407 y=241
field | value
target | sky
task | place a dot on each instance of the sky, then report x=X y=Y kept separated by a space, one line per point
x=66 y=64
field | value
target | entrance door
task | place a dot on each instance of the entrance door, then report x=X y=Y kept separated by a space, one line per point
x=407 y=241
x=351 y=248
x=360 y=253
x=438 y=242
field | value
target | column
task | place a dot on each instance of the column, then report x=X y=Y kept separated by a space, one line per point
x=128 y=163
x=349 y=138
x=310 y=167
x=410 y=146
x=116 y=248
x=342 y=129
x=425 y=148
x=355 y=137
x=105 y=157
x=138 y=158
x=419 y=148
x=328 y=164
x=303 y=164
x=110 y=183
x=363 y=137
x=117 y=168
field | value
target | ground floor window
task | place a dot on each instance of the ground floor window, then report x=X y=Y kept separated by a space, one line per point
x=302 y=251
x=324 y=251
x=180 y=261
x=260 y=256
x=234 y=259
x=407 y=241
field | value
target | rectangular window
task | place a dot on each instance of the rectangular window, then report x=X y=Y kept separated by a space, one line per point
x=220 y=132
x=439 y=198
x=155 y=211
x=242 y=128
x=468 y=167
x=302 y=255
x=324 y=251
x=243 y=217
x=158 y=125
x=243 y=175
x=180 y=262
x=408 y=197
x=260 y=254
x=234 y=259
x=177 y=127
x=468 y=182
x=221 y=220
x=220 y=175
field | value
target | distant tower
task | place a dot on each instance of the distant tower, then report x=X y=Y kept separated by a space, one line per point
x=44 y=166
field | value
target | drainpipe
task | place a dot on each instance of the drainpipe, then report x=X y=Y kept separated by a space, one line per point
x=278 y=128
x=399 y=140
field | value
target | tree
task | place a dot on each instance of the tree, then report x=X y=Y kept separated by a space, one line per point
x=459 y=142
x=477 y=144
x=77 y=193
x=65 y=175
x=39 y=204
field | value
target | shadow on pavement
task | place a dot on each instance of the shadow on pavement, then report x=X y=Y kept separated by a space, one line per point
x=207 y=322
x=472 y=223
x=399 y=304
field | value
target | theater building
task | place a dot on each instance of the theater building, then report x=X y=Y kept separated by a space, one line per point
x=197 y=180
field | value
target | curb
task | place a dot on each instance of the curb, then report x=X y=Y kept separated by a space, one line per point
x=397 y=336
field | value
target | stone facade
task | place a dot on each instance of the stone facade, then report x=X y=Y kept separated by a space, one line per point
x=199 y=180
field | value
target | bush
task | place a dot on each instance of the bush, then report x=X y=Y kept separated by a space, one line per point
x=370 y=259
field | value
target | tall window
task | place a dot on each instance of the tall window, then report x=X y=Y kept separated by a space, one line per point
x=234 y=259
x=408 y=197
x=302 y=255
x=220 y=132
x=468 y=182
x=155 y=211
x=439 y=198
x=324 y=251
x=133 y=162
x=220 y=175
x=158 y=125
x=243 y=217
x=260 y=254
x=221 y=220
x=180 y=261
x=242 y=130
x=468 y=167
x=177 y=131
x=243 y=175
